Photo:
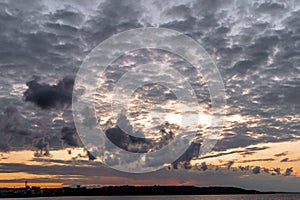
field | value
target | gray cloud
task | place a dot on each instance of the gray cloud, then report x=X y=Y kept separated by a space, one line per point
x=244 y=169
x=284 y=160
x=256 y=170
x=61 y=39
x=16 y=135
x=42 y=146
x=191 y=153
x=277 y=171
x=258 y=51
x=110 y=18
x=13 y=130
x=258 y=160
x=256 y=46
x=70 y=137
x=48 y=96
x=137 y=144
x=229 y=164
x=281 y=154
x=203 y=166
x=288 y=171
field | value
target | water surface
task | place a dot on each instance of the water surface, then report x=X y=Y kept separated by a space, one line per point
x=186 y=197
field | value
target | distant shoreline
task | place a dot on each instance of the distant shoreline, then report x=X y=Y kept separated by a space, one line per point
x=125 y=191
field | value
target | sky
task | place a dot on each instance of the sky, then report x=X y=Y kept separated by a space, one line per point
x=254 y=44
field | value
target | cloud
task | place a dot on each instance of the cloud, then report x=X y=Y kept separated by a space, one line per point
x=244 y=168
x=13 y=130
x=229 y=164
x=247 y=53
x=122 y=139
x=246 y=151
x=69 y=137
x=270 y=171
x=48 y=96
x=255 y=45
x=277 y=171
x=90 y=156
x=191 y=153
x=42 y=146
x=256 y=148
x=289 y=160
x=284 y=160
x=271 y=7
x=288 y=171
x=256 y=170
x=281 y=154
x=258 y=160
x=67 y=16
x=17 y=133
x=110 y=18
x=203 y=166
x=53 y=46
x=266 y=170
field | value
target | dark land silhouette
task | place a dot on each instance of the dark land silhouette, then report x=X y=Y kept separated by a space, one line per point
x=122 y=191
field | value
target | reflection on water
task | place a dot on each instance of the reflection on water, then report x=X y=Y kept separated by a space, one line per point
x=191 y=197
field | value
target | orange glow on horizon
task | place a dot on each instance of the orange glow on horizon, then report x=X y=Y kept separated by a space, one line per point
x=36 y=184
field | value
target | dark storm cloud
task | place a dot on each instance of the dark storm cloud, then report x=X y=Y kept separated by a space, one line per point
x=137 y=144
x=48 y=96
x=69 y=137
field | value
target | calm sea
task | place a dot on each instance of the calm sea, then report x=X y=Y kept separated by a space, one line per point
x=192 y=197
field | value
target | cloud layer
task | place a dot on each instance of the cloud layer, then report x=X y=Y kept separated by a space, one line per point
x=256 y=46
